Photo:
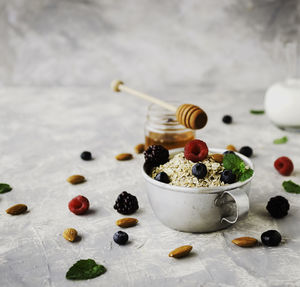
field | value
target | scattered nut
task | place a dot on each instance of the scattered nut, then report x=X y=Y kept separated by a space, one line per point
x=245 y=241
x=70 y=234
x=127 y=222
x=231 y=147
x=218 y=157
x=181 y=251
x=140 y=148
x=16 y=209
x=124 y=156
x=75 y=179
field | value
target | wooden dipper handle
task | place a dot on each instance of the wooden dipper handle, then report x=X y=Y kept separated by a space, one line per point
x=188 y=115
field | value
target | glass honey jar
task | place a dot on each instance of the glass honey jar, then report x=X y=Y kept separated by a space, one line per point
x=162 y=128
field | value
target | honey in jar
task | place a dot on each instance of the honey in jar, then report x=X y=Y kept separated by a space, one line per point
x=162 y=128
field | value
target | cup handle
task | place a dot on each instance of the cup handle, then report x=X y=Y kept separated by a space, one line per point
x=241 y=200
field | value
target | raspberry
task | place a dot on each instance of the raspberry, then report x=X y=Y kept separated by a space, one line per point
x=278 y=206
x=79 y=205
x=195 y=150
x=284 y=165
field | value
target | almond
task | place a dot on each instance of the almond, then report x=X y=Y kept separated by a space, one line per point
x=16 y=209
x=75 y=179
x=70 y=234
x=124 y=156
x=231 y=147
x=218 y=157
x=245 y=241
x=140 y=148
x=127 y=222
x=181 y=251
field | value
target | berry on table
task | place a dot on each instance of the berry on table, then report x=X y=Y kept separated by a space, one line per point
x=271 y=238
x=227 y=176
x=86 y=155
x=120 y=237
x=199 y=170
x=79 y=205
x=156 y=155
x=195 y=150
x=162 y=177
x=278 y=206
x=227 y=119
x=246 y=151
x=126 y=203
x=284 y=165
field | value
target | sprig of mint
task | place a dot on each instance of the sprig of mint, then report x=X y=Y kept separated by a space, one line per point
x=234 y=163
x=4 y=187
x=281 y=140
x=291 y=187
x=257 y=112
x=85 y=269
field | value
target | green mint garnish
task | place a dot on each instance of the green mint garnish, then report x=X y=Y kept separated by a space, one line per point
x=85 y=269
x=281 y=140
x=237 y=166
x=257 y=112
x=291 y=187
x=4 y=187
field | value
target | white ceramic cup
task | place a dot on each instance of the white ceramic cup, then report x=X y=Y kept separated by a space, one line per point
x=199 y=209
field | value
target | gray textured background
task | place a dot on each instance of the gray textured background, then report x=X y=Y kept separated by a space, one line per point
x=234 y=44
x=221 y=55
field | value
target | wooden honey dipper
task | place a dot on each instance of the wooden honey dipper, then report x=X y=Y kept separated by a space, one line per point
x=188 y=115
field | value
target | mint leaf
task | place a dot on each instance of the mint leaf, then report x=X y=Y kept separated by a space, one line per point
x=237 y=166
x=291 y=187
x=246 y=174
x=4 y=187
x=281 y=140
x=257 y=112
x=85 y=269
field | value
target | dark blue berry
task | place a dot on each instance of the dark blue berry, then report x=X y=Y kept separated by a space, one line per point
x=228 y=152
x=86 y=155
x=162 y=177
x=278 y=206
x=271 y=238
x=120 y=237
x=199 y=170
x=247 y=151
x=227 y=119
x=227 y=176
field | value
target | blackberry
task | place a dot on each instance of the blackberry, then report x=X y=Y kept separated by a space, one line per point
x=278 y=206
x=162 y=177
x=156 y=155
x=227 y=119
x=120 y=237
x=86 y=155
x=247 y=151
x=126 y=203
x=271 y=238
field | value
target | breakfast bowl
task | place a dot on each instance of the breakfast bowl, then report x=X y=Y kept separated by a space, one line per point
x=199 y=209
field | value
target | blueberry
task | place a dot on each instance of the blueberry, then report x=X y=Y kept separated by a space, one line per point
x=162 y=177
x=227 y=119
x=271 y=238
x=227 y=176
x=228 y=151
x=120 y=237
x=278 y=206
x=247 y=151
x=86 y=155
x=199 y=170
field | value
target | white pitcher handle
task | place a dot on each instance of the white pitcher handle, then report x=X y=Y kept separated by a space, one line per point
x=241 y=200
